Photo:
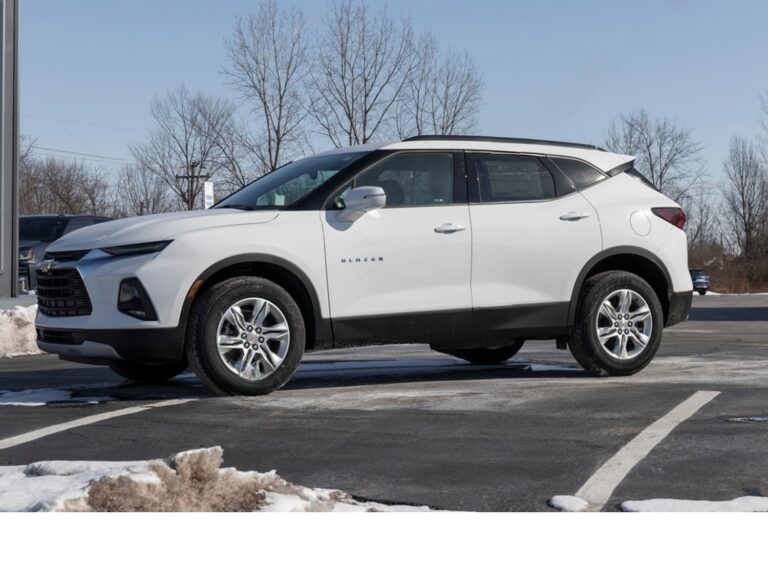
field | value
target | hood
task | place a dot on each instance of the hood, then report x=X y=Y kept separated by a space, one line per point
x=160 y=227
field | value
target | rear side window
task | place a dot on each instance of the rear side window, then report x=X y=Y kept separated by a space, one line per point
x=510 y=178
x=579 y=173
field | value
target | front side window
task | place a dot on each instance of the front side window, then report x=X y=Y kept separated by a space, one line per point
x=511 y=178
x=290 y=183
x=412 y=179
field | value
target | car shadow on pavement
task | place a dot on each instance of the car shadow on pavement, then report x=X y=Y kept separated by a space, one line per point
x=728 y=314
x=333 y=374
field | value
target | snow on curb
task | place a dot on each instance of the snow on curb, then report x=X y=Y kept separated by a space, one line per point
x=570 y=503
x=740 y=504
x=189 y=481
x=17 y=332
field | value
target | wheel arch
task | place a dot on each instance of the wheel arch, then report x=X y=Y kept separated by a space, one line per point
x=636 y=260
x=278 y=270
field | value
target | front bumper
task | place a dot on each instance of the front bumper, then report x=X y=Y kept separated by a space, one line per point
x=102 y=346
x=679 y=306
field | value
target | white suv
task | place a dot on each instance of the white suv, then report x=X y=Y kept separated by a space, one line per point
x=469 y=244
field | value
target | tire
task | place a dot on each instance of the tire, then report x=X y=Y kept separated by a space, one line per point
x=702 y=292
x=485 y=355
x=148 y=373
x=214 y=323
x=622 y=360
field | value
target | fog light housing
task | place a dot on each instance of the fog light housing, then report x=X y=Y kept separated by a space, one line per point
x=133 y=300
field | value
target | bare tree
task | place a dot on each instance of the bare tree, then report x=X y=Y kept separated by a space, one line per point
x=442 y=95
x=268 y=60
x=186 y=143
x=704 y=225
x=746 y=196
x=55 y=186
x=140 y=192
x=361 y=65
x=666 y=152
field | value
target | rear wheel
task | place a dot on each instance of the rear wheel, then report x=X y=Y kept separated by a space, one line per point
x=618 y=327
x=246 y=337
x=485 y=355
x=702 y=292
x=148 y=373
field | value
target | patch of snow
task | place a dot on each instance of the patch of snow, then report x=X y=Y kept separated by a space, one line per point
x=747 y=419
x=189 y=481
x=17 y=332
x=568 y=503
x=43 y=396
x=740 y=504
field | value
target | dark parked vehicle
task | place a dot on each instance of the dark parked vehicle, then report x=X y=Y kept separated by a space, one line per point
x=37 y=232
x=700 y=280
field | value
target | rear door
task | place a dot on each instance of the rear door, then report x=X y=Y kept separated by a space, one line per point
x=529 y=241
x=402 y=272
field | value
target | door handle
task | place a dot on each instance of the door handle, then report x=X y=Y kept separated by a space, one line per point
x=449 y=228
x=574 y=216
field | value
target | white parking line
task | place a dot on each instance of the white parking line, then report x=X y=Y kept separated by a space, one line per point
x=599 y=488
x=91 y=419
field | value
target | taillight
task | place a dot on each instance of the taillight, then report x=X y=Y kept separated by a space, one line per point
x=675 y=216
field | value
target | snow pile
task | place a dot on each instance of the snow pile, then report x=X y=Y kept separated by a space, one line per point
x=740 y=504
x=568 y=503
x=44 y=396
x=17 y=332
x=189 y=481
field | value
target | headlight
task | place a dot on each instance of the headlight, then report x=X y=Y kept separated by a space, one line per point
x=136 y=249
x=27 y=255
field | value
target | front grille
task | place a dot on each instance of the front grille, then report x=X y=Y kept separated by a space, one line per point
x=57 y=337
x=66 y=255
x=61 y=293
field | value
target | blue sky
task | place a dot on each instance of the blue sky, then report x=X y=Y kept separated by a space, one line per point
x=553 y=69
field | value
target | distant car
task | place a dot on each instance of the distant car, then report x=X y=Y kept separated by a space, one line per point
x=700 y=280
x=37 y=232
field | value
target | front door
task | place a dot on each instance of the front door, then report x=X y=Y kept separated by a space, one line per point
x=402 y=272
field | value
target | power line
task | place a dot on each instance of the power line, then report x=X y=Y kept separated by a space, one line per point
x=91 y=155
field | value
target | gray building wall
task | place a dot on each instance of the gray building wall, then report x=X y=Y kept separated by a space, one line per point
x=9 y=128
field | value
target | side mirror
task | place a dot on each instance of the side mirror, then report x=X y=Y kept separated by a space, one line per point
x=360 y=200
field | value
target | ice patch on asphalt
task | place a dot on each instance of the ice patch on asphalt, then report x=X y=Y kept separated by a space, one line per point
x=17 y=332
x=746 y=504
x=45 y=396
x=568 y=503
x=189 y=481
x=747 y=419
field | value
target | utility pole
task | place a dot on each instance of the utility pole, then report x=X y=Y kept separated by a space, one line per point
x=9 y=140
x=192 y=179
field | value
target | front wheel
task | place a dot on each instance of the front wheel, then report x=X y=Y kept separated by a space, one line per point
x=147 y=373
x=618 y=326
x=485 y=355
x=246 y=337
x=702 y=292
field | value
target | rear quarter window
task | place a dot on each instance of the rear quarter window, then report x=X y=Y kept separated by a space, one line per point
x=579 y=173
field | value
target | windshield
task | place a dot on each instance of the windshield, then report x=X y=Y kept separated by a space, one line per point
x=45 y=229
x=290 y=183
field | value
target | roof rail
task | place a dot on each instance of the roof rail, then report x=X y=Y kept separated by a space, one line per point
x=501 y=140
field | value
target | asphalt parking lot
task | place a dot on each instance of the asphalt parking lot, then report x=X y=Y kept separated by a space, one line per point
x=403 y=424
